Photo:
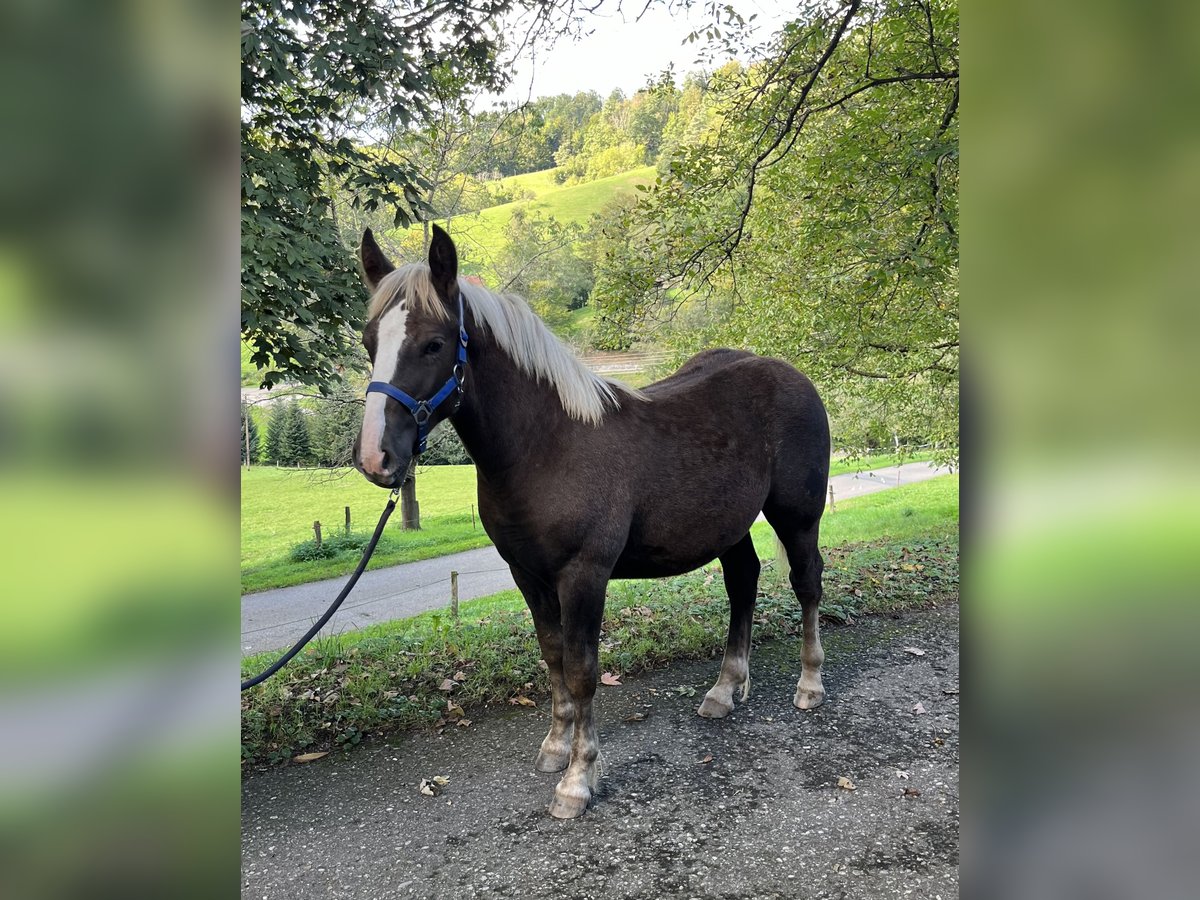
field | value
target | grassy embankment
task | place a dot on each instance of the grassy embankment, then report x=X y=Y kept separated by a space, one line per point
x=888 y=551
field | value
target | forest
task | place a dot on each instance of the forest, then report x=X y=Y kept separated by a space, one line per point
x=799 y=200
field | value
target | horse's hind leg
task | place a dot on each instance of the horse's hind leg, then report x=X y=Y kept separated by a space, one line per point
x=807 y=565
x=740 y=567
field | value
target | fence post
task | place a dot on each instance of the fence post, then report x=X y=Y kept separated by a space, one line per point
x=454 y=594
x=347 y=521
x=317 y=532
x=472 y=516
x=831 y=506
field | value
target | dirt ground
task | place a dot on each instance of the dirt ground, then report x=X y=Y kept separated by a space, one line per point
x=746 y=807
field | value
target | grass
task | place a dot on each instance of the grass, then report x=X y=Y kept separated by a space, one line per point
x=279 y=507
x=481 y=234
x=897 y=550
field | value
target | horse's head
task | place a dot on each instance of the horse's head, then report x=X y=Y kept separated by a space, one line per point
x=412 y=337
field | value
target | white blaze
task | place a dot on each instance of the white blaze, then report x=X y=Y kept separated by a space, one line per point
x=389 y=339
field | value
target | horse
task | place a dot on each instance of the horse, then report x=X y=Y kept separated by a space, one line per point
x=582 y=479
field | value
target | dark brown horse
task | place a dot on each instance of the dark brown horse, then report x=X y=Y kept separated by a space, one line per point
x=582 y=480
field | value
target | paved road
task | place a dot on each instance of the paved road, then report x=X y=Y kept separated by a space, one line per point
x=275 y=619
x=763 y=818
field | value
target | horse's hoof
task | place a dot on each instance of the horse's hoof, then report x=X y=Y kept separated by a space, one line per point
x=712 y=708
x=808 y=699
x=550 y=762
x=569 y=806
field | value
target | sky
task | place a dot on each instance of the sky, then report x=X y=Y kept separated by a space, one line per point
x=621 y=52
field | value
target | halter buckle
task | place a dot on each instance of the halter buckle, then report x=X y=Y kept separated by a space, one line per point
x=423 y=412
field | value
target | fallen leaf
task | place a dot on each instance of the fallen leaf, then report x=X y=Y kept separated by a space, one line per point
x=919 y=709
x=447 y=685
x=610 y=679
x=900 y=773
x=543 y=665
x=911 y=792
x=453 y=709
x=460 y=676
x=428 y=788
x=441 y=780
x=309 y=757
x=915 y=651
x=635 y=717
x=464 y=723
x=845 y=783
x=521 y=700
x=707 y=759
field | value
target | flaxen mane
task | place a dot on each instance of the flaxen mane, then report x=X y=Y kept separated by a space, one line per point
x=517 y=330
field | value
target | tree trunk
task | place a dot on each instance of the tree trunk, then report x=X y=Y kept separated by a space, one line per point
x=410 y=510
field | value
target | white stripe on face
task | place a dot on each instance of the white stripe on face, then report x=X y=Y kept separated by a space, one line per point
x=390 y=337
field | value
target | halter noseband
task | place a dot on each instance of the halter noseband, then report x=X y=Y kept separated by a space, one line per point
x=423 y=410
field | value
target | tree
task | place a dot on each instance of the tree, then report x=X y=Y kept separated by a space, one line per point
x=336 y=422
x=249 y=437
x=540 y=263
x=313 y=72
x=296 y=444
x=288 y=442
x=276 y=425
x=816 y=216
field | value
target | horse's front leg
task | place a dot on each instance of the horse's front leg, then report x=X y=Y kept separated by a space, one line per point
x=581 y=596
x=542 y=601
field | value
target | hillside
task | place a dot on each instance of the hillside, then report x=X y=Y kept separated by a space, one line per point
x=481 y=234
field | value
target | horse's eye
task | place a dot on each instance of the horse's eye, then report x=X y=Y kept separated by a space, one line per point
x=434 y=346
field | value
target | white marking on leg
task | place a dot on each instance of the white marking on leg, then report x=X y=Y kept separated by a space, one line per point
x=735 y=673
x=391 y=334
x=555 y=751
x=810 y=691
x=582 y=777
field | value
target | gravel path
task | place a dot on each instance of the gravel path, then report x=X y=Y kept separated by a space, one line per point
x=746 y=807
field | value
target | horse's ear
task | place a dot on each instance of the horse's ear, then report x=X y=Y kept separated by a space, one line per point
x=374 y=264
x=443 y=263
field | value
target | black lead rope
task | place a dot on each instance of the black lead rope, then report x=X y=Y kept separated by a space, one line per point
x=333 y=607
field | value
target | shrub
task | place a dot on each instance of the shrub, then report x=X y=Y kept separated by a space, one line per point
x=337 y=544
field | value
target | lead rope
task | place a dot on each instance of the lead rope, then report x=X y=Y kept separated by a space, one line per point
x=333 y=607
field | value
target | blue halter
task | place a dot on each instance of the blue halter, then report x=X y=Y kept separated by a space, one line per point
x=423 y=410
